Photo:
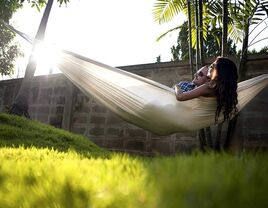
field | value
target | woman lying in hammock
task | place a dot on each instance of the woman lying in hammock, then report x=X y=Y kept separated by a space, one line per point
x=222 y=84
x=200 y=78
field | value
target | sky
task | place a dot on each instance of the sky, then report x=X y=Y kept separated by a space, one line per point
x=117 y=33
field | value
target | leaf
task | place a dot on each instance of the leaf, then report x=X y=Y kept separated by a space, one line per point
x=165 y=10
x=169 y=31
x=256 y=19
x=265 y=9
x=259 y=14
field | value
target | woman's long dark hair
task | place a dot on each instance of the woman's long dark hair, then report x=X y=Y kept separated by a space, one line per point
x=226 y=88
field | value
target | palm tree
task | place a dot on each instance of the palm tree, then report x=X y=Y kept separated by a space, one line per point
x=243 y=15
x=20 y=105
x=166 y=10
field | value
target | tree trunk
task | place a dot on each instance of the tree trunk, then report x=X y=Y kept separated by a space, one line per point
x=190 y=38
x=242 y=76
x=200 y=59
x=20 y=105
x=197 y=63
x=224 y=48
x=244 y=55
x=201 y=35
x=224 y=52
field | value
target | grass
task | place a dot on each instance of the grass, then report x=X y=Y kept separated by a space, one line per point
x=17 y=131
x=67 y=170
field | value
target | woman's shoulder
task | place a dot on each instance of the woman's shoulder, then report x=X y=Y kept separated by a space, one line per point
x=209 y=89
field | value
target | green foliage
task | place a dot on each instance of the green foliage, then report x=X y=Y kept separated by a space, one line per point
x=158 y=59
x=241 y=14
x=244 y=14
x=17 y=131
x=181 y=51
x=263 y=50
x=212 y=47
x=9 y=51
x=165 y=10
x=38 y=4
x=7 y=8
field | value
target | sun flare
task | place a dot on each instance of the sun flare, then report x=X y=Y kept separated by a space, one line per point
x=46 y=57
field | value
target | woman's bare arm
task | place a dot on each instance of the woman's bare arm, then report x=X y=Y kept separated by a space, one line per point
x=202 y=90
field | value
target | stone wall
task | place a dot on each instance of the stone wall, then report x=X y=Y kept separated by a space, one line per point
x=56 y=101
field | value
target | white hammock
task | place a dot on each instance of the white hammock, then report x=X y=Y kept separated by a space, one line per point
x=146 y=103
x=143 y=102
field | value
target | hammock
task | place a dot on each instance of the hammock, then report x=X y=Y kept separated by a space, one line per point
x=143 y=102
x=146 y=103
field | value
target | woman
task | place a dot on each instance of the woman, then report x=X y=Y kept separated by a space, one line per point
x=222 y=84
x=200 y=78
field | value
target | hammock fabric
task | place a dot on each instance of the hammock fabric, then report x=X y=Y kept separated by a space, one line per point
x=146 y=103
x=143 y=102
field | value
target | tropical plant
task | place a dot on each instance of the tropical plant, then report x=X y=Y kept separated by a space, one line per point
x=9 y=50
x=211 y=47
x=212 y=15
x=244 y=14
x=240 y=14
x=166 y=10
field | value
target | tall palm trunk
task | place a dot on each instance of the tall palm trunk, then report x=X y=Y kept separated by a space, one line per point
x=207 y=130
x=224 y=48
x=242 y=76
x=200 y=32
x=20 y=105
x=244 y=55
x=199 y=59
x=190 y=38
x=249 y=13
x=224 y=52
x=197 y=63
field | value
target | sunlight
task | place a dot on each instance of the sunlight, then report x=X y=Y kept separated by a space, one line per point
x=46 y=58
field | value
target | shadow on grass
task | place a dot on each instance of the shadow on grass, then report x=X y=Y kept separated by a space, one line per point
x=17 y=131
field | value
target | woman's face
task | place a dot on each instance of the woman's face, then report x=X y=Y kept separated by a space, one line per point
x=212 y=71
x=200 y=76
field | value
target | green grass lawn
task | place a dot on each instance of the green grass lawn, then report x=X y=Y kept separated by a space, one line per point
x=41 y=166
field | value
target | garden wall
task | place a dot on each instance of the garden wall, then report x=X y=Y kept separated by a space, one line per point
x=56 y=101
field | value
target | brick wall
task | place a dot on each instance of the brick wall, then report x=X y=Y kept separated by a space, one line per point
x=56 y=101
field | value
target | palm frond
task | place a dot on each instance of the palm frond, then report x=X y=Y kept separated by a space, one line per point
x=165 y=10
x=169 y=31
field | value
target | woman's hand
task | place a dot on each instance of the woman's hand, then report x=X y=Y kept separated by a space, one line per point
x=178 y=91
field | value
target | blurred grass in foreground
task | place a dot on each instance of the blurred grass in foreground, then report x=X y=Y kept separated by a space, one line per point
x=76 y=173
